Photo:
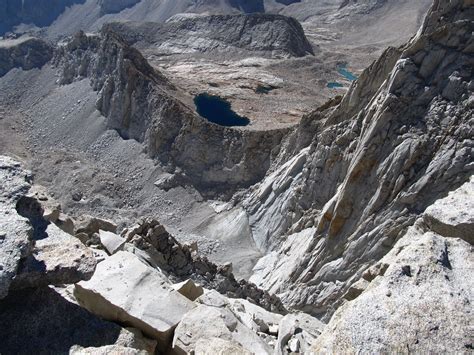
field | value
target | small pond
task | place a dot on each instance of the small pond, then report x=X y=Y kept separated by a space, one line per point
x=334 y=85
x=342 y=69
x=218 y=110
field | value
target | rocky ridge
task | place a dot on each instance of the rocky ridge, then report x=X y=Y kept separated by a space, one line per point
x=400 y=139
x=264 y=35
x=365 y=217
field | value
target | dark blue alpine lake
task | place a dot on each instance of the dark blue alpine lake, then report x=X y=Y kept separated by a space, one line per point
x=218 y=110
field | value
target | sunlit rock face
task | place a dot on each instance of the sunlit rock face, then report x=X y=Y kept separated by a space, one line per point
x=400 y=139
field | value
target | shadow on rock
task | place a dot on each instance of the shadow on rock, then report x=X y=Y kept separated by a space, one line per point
x=40 y=321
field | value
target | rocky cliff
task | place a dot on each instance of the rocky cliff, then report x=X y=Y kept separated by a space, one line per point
x=232 y=35
x=400 y=139
x=141 y=104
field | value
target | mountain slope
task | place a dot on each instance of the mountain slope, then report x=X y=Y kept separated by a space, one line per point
x=400 y=139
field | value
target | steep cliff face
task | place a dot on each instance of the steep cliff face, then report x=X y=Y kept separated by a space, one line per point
x=262 y=34
x=400 y=139
x=141 y=104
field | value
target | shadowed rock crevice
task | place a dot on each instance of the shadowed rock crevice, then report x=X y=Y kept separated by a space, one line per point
x=31 y=209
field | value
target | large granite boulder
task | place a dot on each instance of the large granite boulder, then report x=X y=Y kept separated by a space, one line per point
x=452 y=216
x=58 y=258
x=208 y=322
x=297 y=333
x=125 y=290
x=217 y=346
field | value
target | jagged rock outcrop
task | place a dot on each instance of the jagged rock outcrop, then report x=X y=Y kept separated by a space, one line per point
x=220 y=323
x=25 y=53
x=141 y=104
x=150 y=241
x=256 y=34
x=400 y=139
x=33 y=252
x=297 y=333
x=57 y=259
x=128 y=288
x=452 y=216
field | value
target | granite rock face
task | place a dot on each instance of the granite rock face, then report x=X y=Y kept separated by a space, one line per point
x=33 y=251
x=400 y=139
x=56 y=259
x=126 y=290
x=452 y=216
x=422 y=302
x=207 y=322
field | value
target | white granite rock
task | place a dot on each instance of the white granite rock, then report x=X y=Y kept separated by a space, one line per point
x=125 y=290
x=111 y=241
x=207 y=322
x=452 y=216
